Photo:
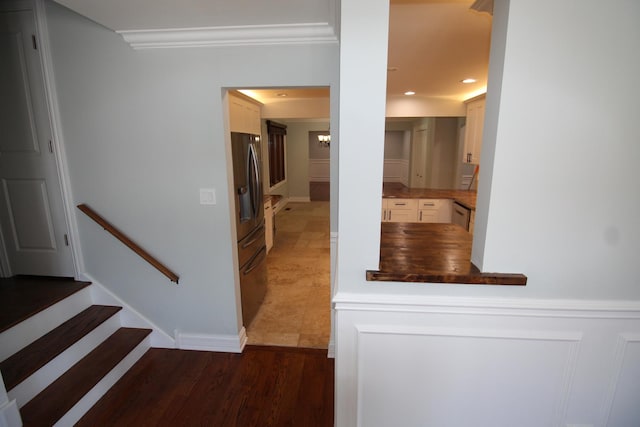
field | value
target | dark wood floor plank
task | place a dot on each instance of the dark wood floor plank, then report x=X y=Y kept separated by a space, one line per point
x=312 y=410
x=23 y=296
x=55 y=400
x=288 y=390
x=264 y=386
x=177 y=388
x=22 y=364
x=213 y=383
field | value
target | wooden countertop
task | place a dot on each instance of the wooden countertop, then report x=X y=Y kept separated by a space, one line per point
x=275 y=198
x=434 y=253
x=466 y=198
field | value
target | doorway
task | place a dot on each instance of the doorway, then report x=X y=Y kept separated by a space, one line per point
x=296 y=311
x=319 y=166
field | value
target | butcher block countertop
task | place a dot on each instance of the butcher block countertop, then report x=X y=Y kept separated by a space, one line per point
x=466 y=198
x=433 y=253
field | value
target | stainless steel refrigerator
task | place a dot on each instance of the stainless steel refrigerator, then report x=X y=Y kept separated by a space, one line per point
x=252 y=250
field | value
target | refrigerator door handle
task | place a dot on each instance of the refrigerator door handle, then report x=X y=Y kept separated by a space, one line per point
x=255 y=236
x=255 y=182
x=255 y=260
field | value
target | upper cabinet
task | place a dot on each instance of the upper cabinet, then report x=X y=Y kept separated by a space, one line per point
x=473 y=131
x=244 y=114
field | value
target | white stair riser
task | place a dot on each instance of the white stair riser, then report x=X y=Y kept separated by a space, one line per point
x=29 y=330
x=99 y=390
x=39 y=380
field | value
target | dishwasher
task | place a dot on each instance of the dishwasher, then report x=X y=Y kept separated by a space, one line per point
x=461 y=215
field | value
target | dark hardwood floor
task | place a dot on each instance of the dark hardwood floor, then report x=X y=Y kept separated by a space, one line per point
x=264 y=386
x=24 y=296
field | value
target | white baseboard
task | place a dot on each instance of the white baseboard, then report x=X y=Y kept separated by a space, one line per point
x=210 y=342
x=128 y=315
x=300 y=199
x=331 y=351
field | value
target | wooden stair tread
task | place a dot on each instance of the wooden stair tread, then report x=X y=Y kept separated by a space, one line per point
x=61 y=395
x=23 y=296
x=25 y=362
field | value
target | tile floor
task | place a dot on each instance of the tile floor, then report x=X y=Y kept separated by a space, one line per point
x=296 y=309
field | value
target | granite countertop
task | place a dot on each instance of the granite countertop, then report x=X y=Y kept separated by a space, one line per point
x=467 y=198
x=432 y=253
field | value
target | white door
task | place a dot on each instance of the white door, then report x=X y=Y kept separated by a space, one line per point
x=34 y=232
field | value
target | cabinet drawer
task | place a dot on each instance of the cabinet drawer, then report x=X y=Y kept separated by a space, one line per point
x=402 y=204
x=431 y=203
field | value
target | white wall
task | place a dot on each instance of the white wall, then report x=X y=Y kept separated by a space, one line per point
x=444 y=155
x=143 y=131
x=416 y=106
x=558 y=203
x=566 y=136
x=296 y=108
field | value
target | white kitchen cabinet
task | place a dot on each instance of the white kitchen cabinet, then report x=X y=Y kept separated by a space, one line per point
x=473 y=131
x=399 y=210
x=268 y=224
x=244 y=114
x=434 y=210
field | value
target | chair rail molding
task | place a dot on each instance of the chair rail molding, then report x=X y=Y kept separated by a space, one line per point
x=245 y=35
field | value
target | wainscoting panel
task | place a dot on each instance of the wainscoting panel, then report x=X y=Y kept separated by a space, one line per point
x=319 y=170
x=623 y=407
x=461 y=362
x=396 y=170
x=493 y=374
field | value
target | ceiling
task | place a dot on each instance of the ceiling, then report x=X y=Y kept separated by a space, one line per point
x=128 y=15
x=433 y=44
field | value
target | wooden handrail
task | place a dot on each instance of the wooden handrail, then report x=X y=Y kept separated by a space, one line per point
x=132 y=245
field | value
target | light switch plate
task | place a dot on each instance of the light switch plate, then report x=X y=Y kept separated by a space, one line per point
x=207 y=196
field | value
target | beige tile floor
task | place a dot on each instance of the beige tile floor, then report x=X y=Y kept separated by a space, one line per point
x=296 y=309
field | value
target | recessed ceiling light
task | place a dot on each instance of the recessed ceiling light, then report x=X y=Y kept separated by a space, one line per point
x=409 y=93
x=468 y=80
x=282 y=95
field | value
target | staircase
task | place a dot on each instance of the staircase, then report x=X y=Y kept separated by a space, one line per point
x=60 y=353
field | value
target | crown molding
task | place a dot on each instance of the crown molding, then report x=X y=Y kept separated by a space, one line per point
x=246 y=35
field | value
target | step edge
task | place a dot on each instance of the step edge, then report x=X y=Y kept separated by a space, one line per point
x=70 y=371
x=51 y=371
x=105 y=384
x=21 y=335
x=51 y=303
x=34 y=344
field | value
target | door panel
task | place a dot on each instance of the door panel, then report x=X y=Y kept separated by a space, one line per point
x=35 y=231
x=32 y=216
x=17 y=122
